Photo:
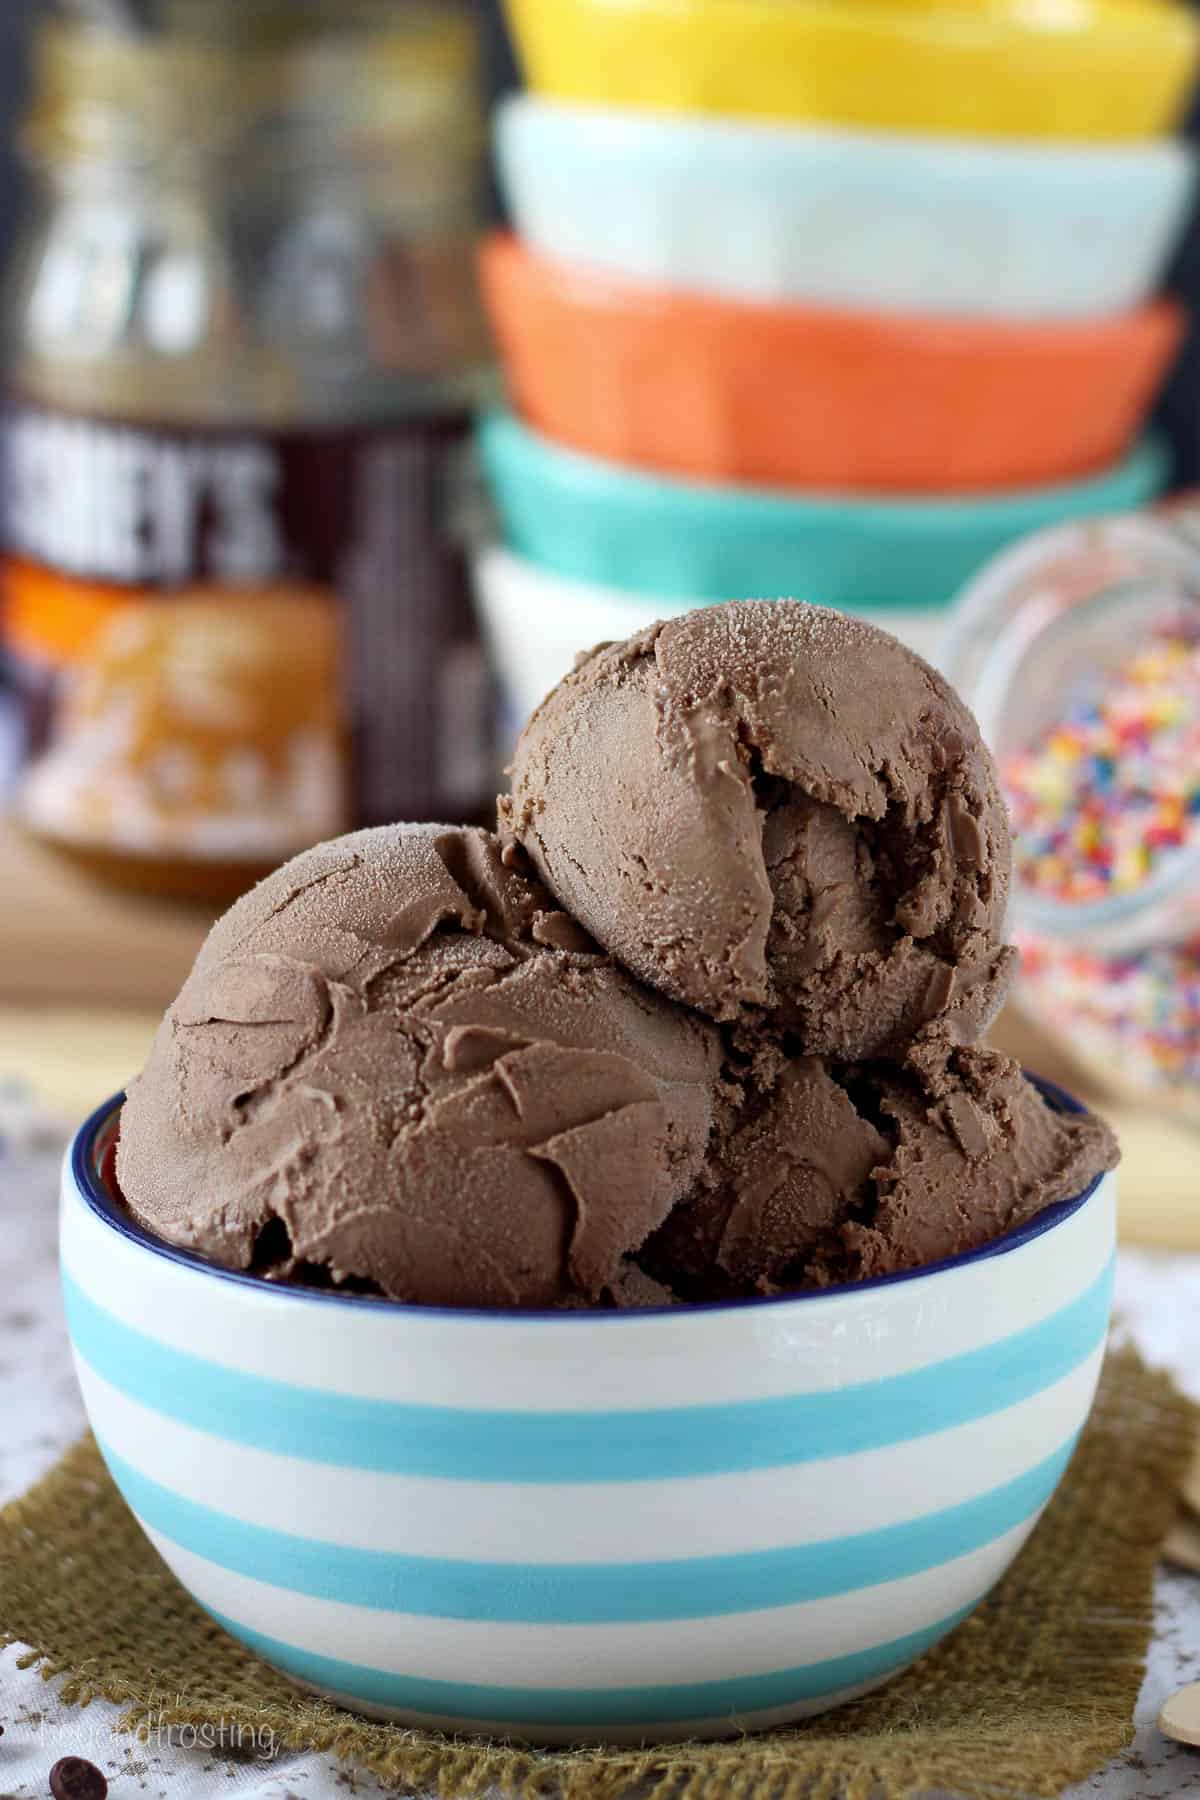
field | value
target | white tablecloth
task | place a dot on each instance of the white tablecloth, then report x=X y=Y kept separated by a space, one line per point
x=40 y=1415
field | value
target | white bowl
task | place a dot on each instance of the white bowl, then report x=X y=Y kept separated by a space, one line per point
x=845 y=218
x=624 y=1526
x=536 y=623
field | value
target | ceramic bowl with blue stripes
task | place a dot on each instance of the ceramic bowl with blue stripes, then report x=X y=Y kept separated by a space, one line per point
x=614 y=1526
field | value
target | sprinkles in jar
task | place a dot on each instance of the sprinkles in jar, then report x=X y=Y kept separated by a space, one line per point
x=1080 y=651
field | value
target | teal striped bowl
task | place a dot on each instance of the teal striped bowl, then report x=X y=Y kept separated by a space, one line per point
x=626 y=1526
x=622 y=528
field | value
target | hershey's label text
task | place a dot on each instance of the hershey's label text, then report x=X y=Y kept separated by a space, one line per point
x=139 y=508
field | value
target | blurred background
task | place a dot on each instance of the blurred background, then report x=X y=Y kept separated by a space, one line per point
x=18 y=23
x=355 y=384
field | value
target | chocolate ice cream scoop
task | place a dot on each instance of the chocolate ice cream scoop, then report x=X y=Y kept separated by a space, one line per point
x=776 y=815
x=976 y=1151
x=398 y=1066
x=838 y=1173
x=789 y=1166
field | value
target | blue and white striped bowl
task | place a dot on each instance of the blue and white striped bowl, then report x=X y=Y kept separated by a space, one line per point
x=624 y=1527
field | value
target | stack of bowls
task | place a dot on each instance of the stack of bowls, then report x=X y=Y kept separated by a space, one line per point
x=832 y=301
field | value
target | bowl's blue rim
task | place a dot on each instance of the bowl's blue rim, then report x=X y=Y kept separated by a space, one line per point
x=88 y=1184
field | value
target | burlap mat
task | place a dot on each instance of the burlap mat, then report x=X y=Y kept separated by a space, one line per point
x=1035 y=1692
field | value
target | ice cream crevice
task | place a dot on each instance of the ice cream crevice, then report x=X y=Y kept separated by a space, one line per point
x=274 y=1258
x=496 y=903
x=558 y=931
x=790 y=1162
x=241 y=1024
x=272 y=1247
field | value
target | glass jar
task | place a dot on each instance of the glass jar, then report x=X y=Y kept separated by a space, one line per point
x=1080 y=652
x=244 y=348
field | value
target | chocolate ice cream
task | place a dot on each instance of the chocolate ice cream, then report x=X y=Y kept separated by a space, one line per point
x=778 y=816
x=841 y=1173
x=397 y=1066
x=975 y=1152
x=402 y=1065
x=788 y=1167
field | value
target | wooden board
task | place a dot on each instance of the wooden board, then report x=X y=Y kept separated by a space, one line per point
x=67 y=941
x=1159 y=1180
x=73 y=1059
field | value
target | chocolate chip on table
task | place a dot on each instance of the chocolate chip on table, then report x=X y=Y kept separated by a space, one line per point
x=74 y=1778
x=1191 y=1486
x=1180 y=1717
x=1182 y=1547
